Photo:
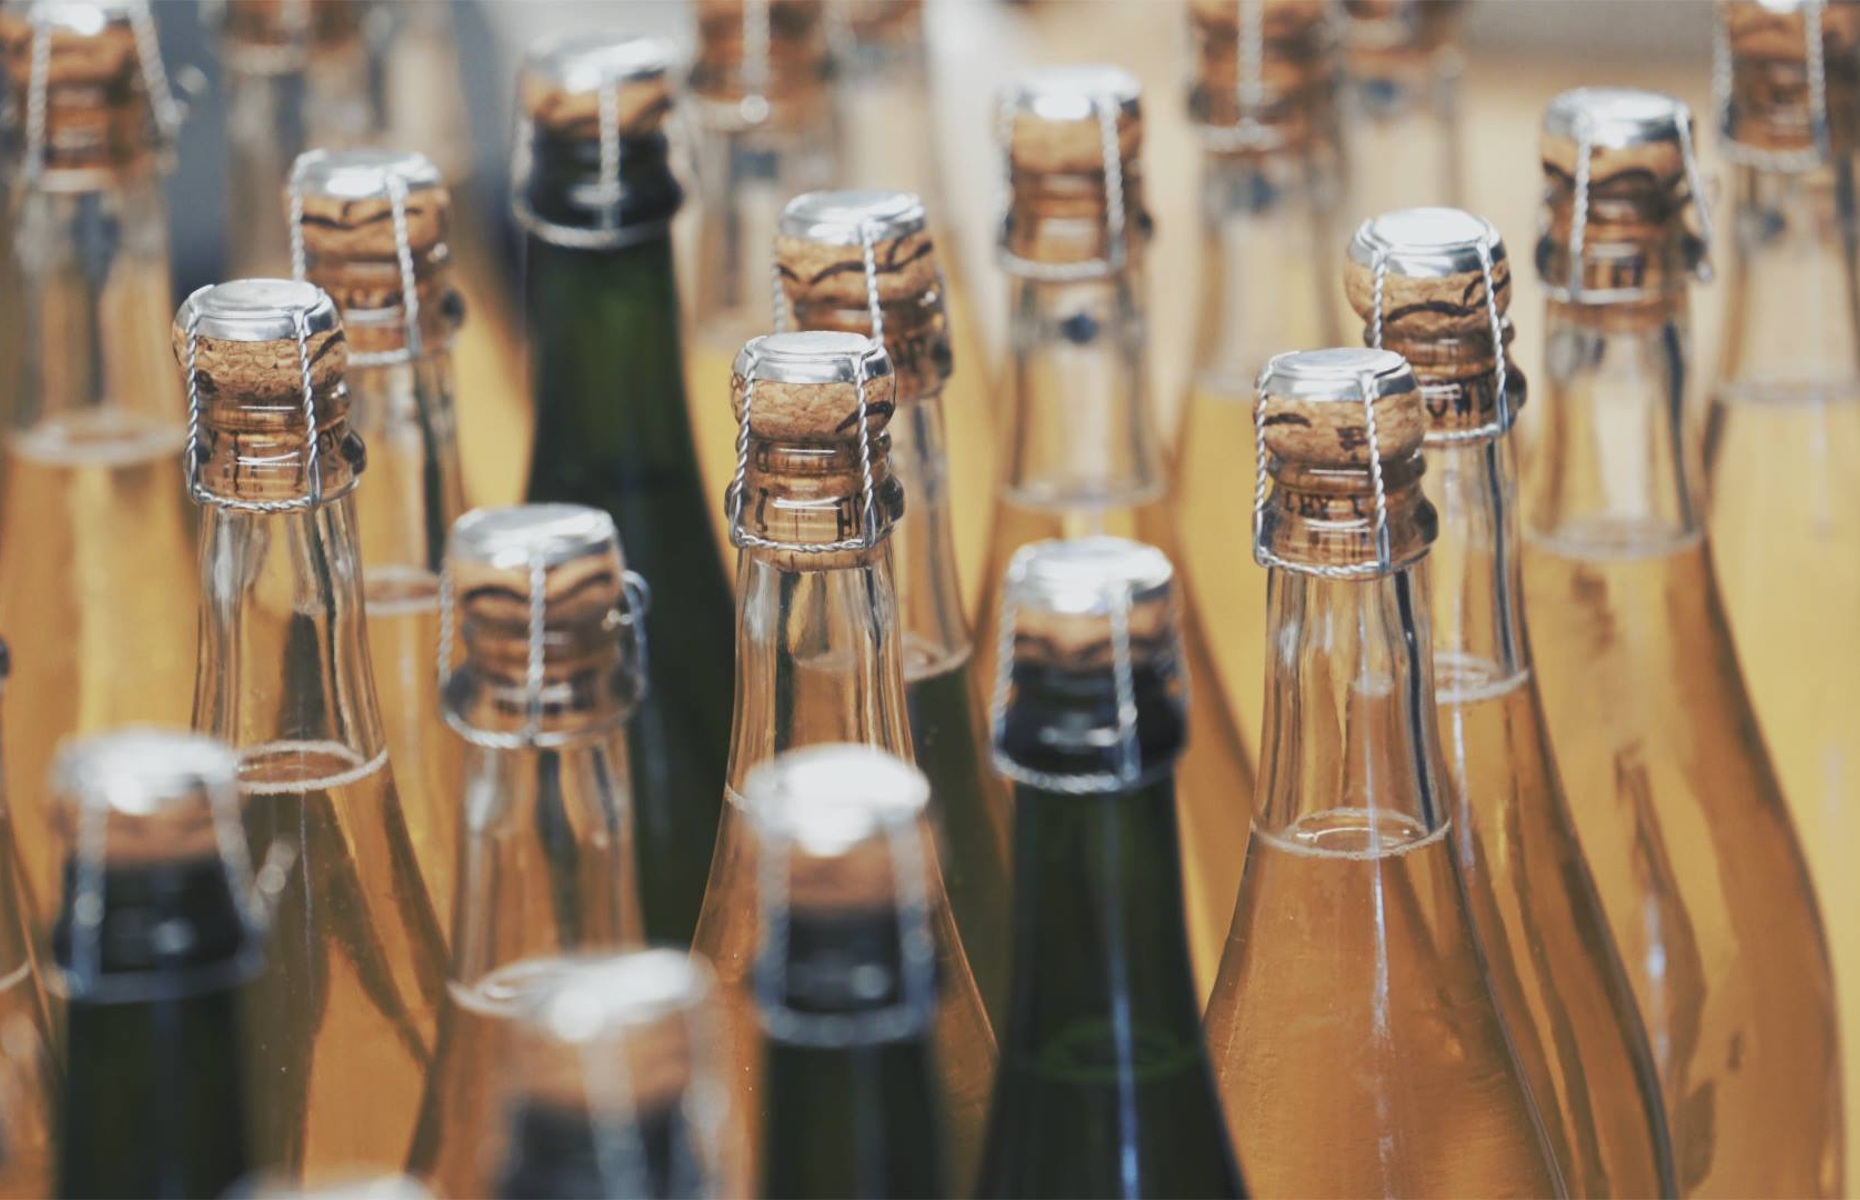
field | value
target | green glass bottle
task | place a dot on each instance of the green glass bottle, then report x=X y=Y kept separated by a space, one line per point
x=1104 y=1087
x=155 y=942
x=846 y=976
x=612 y=429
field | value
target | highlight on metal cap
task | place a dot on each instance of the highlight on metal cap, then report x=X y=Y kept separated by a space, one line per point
x=1336 y=374
x=841 y=218
x=1071 y=93
x=813 y=356
x=590 y=998
x=258 y=310
x=520 y=536
x=1088 y=576
x=142 y=770
x=360 y=1185
x=1615 y=118
x=578 y=63
x=363 y=172
x=80 y=18
x=1426 y=243
x=827 y=800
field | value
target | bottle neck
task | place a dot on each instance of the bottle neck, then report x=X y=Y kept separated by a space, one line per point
x=819 y=658
x=887 y=120
x=1349 y=721
x=404 y=414
x=563 y=185
x=1793 y=329
x=1475 y=565
x=168 y=930
x=1614 y=473
x=1404 y=121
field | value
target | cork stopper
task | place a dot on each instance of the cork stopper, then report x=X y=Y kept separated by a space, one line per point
x=1771 y=96
x=276 y=36
x=140 y=796
x=1322 y=512
x=820 y=254
x=768 y=59
x=352 y=244
x=250 y=344
x=1060 y=210
x=803 y=502
x=1065 y=592
x=1291 y=97
x=98 y=114
x=562 y=81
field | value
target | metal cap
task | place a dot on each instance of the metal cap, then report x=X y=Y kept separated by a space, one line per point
x=592 y=997
x=1616 y=118
x=841 y=218
x=1088 y=577
x=512 y=538
x=1426 y=243
x=827 y=800
x=141 y=771
x=815 y=356
x=80 y=18
x=1071 y=93
x=258 y=310
x=360 y=174
x=1336 y=374
x=585 y=62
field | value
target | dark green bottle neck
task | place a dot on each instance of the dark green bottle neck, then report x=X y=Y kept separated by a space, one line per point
x=855 y=978
x=557 y=1151
x=564 y=186
x=168 y=930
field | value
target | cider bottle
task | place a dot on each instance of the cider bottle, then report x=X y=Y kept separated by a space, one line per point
x=1678 y=810
x=1264 y=101
x=552 y=625
x=1784 y=417
x=157 y=940
x=821 y=255
x=595 y=195
x=28 y=1069
x=296 y=75
x=1434 y=284
x=845 y=976
x=95 y=537
x=887 y=118
x=342 y=1024
x=761 y=122
x=820 y=659
x=1084 y=457
x=1105 y=1084
x=617 y=1084
x=370 y=228
x=1402 y=104
x=1356 y=1039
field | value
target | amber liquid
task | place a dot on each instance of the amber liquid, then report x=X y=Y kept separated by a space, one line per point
x=27 y=1087
x=342 y=1020
x=1554 y=971
x=1694 y=856
x=1214 y=792
x=97 y=601
x=1354 y=1038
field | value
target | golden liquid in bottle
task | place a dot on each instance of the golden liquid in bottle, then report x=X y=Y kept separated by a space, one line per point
x=1553 y=966
x=27 y=1087
x=1692 y=851
x=1361 y=998
x=1214 y=794
x=342 y=1019
x=97 y=600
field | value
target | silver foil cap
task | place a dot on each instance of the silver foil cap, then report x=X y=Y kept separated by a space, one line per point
x=363 y=173
x=1337 y=374
x=814 y=356
x=1615 y=118
x=587 y=1000
x=81 y=18
x=587 y=62
x=258 y=310
x=844 y=218
x=522 y=536
x=1427 y=243
x=1071 y=93
x=143 y=771
x=826 y=801
x=1087 y=577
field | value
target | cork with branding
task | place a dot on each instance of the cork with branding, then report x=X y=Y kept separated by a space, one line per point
x=1332 y=432
x=97 y=111
x=640 y=107
x=1635 y=237
x=1429 y=307
x=351 y=252
x=583 y=608
x=825 y=284
x=1771 y=97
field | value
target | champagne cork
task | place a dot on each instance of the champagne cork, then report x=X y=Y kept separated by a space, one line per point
x=1291 y=97
x=1061 y=209
x=562 y=82
x=1064 y=593
x=782 y=79
x=820 y=256
x=292 y=27
x=98 y=114
x=1771 y=102
x=142 y=796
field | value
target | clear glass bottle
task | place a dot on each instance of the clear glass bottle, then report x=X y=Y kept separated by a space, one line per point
x=1264 y=101
x=371 y=231
x=613 y=430
x=820 y=658
x=1678 y=810
x=615 y=1085
x=28 y=1069
x=546 y=858
x=760 y=118
x=1084 y=457
x=95 y=537
x=821 y=257
x=344 y=1012
x=845 y=976
x=1434 y=285
x=1402 y=104
x=157 y=939
x=1784 y=422
x=297 y=75
x=1105 y=1087
x=1359 y=1047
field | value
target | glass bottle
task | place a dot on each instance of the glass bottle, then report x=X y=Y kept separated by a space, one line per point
x=371 y=230
x=760 y=118
x=296 y=75
x=1434 y=285
x=845 y=975
x=1356 y=1039
x=1678 y=810
x=1402 y=104
x=1784 y=421
x=821 y=258
x=613 y=430
x=95 y=537
x=28 y=1070
x=546 y=861
x=1084 y=457
x=344 y=1012
x=887 y=117
x=1105 y=1086
x=1264 y=101
x=615 y=1085
x=157 y=941
x=820 y=658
